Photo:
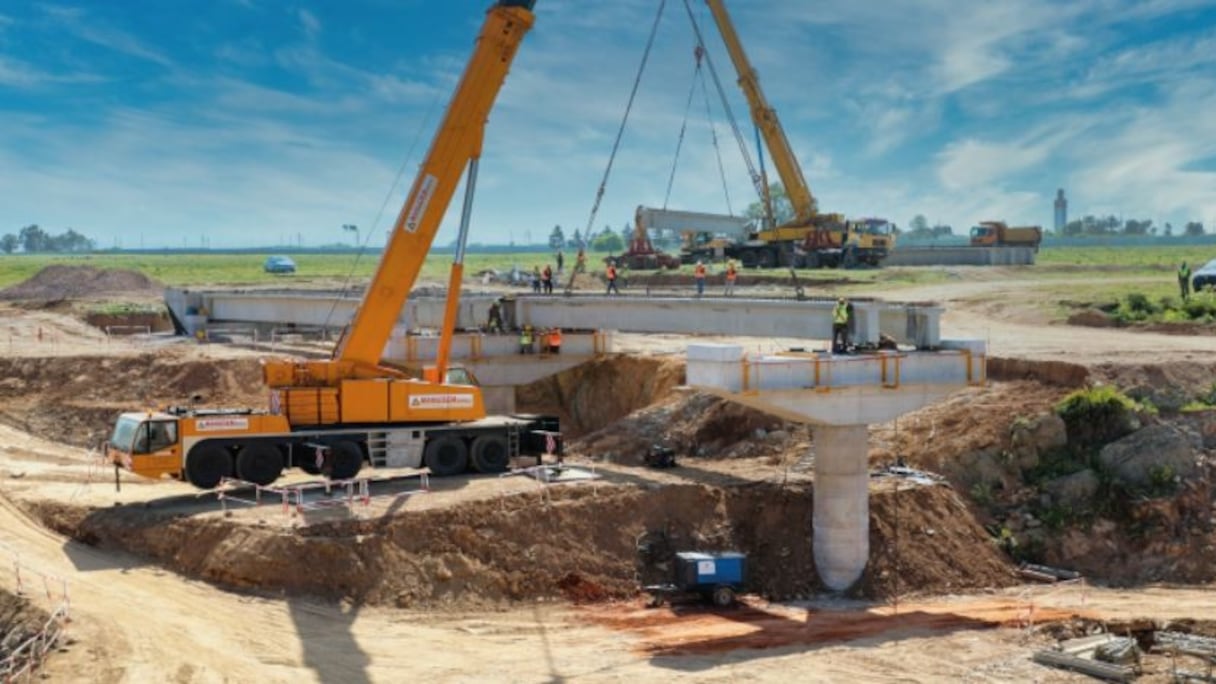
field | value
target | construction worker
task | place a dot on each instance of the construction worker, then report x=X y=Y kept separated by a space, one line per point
x=554 y=341
x=610 y=273
x=561 y=259
x=536 y=279
x=525 y=340
x=580 y=262
x=494 y=324
x=840 y=327
x=1184 y=280
x=546 y=279
x=699 y=274
x=731 y=274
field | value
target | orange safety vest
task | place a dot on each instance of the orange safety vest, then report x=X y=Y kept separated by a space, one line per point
x=700 y=270
x=730 y=273
x=555 y=337
x=612 y=273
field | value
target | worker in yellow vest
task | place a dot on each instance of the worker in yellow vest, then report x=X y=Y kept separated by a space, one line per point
x=525 y=340
x=840 y=327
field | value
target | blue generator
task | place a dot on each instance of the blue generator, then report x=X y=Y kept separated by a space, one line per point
x=716 y=576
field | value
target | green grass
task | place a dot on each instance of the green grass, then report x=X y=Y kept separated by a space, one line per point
x=1152 y=258
x=1054 y=263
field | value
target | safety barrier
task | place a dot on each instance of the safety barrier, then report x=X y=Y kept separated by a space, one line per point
x=292 y=497
x=1028 y=597
x=25 y=660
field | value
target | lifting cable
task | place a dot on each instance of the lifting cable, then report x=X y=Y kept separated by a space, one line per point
x=713 y=134
x=698 y=52
x=698 y=77
x=757 y=180
x=350 y=275
x=599 y=195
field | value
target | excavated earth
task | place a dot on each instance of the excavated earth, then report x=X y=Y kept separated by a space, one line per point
x=743 y=484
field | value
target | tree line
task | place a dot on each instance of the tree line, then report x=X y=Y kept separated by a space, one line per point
x=34 y=240
x=1112 y=225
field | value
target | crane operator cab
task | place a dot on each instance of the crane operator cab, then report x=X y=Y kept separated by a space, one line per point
x=147 y=442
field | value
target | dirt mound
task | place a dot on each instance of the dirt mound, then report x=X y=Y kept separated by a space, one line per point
x=58 y=282
x=74 y=399
x=692 y=424
x=581 y=546
x=1058 y=373
x=595 y=394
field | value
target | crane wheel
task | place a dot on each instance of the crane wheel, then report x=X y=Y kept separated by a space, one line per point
x=344 y=460
x=491 y=454
x=446 y=455
x=207 y=465
x=259 y=463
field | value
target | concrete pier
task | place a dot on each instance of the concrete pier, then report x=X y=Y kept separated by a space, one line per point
x=842 y=504
x=839 y=396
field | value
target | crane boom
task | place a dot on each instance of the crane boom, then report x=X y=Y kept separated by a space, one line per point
x=457 y=142
x=765 y=117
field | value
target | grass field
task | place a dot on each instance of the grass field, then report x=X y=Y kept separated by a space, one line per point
x=246 y=269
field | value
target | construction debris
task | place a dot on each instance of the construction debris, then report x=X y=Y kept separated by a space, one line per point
x=1189 y=644
x=1043 y=573
x=1093 y=668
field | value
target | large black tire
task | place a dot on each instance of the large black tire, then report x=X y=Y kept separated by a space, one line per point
x=344 y=461
x=723 y=596
x=446 y=455
x=259 y=463
x=305 y=458
x=207 y=464
x=490 y=453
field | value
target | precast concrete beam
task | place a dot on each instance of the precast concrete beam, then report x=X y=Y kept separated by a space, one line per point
x=909 y=324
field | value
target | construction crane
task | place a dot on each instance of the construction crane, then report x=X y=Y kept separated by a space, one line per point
x=808 y=238
x=332 y=416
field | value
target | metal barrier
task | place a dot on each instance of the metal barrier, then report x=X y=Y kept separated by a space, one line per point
x=292 y=497
x=25 y=660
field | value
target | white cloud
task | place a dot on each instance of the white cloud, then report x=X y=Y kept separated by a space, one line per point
x=967 y=164
x=310 y=24
x=91 y=29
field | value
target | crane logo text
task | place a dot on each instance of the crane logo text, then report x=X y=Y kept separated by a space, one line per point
x=426 y=189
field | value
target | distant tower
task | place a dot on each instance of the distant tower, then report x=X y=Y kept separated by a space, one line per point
x=1061 y=211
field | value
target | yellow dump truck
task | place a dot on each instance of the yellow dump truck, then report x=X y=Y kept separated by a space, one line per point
x=997 y=234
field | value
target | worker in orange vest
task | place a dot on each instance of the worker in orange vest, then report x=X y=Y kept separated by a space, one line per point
x=554 y=341
x=611 y=274
x=699 y=274
x=731 y=274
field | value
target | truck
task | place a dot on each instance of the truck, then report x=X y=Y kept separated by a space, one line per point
x=333 y=416
x=997 y=234
x=810 y=238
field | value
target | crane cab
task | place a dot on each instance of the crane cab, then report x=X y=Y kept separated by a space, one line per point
x=146 y=443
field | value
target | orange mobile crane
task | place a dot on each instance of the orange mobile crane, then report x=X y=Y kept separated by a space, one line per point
x=332 y=416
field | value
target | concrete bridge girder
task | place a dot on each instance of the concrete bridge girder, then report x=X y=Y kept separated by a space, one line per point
x=910 y=324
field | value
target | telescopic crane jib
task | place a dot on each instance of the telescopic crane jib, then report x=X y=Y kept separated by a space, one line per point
x=330 y=416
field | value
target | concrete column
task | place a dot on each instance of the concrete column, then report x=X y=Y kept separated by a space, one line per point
x=842 y=504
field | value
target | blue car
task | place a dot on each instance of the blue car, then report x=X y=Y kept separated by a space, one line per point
x=279 y=264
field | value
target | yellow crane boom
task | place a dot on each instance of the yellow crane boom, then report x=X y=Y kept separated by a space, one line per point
x=765 y=118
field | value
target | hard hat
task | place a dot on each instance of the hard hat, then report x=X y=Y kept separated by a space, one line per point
x=840 y=301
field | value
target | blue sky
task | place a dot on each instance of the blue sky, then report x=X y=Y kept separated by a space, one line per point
x=157 y=122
